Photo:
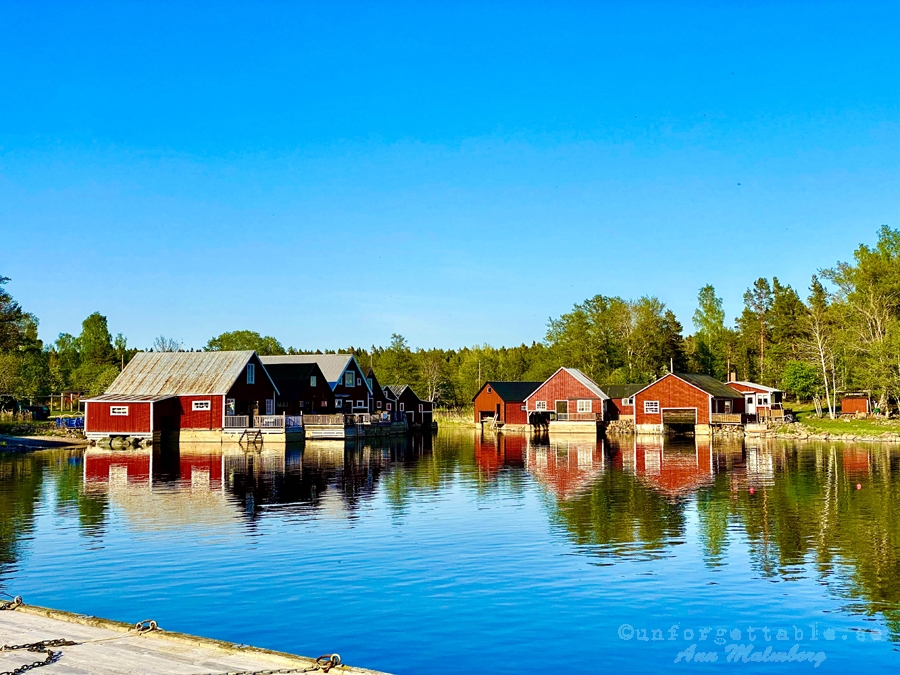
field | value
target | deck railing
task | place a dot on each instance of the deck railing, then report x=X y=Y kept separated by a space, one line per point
x=293 y=421
x=324 y=420
x=726 y=418
x=268 y=421
x=237 y=421
x=577 y=417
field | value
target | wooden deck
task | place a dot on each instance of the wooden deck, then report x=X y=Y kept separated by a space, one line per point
x=111 y=648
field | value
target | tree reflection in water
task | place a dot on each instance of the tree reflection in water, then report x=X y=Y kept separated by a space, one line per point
x=794 y=507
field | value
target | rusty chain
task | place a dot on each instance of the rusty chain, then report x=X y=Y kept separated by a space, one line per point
x=323 y=664
x=11 y=604
x=42 y=647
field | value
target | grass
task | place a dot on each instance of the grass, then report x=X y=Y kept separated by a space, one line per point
x=806 y=415
x=462 y=416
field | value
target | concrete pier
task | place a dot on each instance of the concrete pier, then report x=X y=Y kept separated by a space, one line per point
x=106 y=647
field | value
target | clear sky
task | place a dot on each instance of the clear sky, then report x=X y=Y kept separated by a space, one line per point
x=331 y=173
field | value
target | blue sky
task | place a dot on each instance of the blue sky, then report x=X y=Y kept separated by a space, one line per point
x=332 y=173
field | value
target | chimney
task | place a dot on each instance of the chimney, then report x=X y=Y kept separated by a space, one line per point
x=732 y=376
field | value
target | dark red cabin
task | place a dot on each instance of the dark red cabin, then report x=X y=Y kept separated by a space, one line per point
x=503 y=402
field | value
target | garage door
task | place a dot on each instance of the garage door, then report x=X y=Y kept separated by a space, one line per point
x=679 y=416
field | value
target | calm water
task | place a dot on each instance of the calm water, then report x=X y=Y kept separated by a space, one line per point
x=459 y=553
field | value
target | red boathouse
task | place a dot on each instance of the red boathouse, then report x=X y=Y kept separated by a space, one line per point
x=571 y=401
x=177 y=391
x=503 y=402
x=681 y=401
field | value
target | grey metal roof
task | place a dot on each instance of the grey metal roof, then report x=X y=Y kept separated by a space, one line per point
x=586 y=381
x=125 y=398
x=331 y=365
x=180 y=373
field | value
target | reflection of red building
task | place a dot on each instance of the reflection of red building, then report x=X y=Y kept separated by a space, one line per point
x=856 y=462
x=201 y=469
x=566 y=467
x=117 y=467
x=494 y=452
x=673 y=470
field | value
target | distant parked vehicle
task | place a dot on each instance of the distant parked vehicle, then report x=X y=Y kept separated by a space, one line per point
x=70 y=423
x=39 y=413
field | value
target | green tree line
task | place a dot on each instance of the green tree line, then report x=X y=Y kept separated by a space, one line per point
x=840 y=333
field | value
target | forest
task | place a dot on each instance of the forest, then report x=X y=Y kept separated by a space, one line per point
x=841 y=333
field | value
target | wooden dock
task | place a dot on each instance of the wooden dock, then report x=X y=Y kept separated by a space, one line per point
x=103 y=647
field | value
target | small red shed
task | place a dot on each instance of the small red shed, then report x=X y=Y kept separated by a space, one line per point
x=568 y=396
x=503 y=402
x=856 y=404
x=682 y=400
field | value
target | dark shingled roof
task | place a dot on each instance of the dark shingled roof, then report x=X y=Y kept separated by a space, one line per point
x=622 y=390
x=512 y=391
x=710 y=385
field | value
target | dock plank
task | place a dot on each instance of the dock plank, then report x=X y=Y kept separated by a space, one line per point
x=108 y=648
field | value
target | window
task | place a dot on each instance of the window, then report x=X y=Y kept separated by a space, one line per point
x=229 y=406
x=118 y=410
x=651 y=407
x=359 y=382
x=628 y=401
x=338 y=402
x=369 y=380
x=540 y=405
x=524 y=408
x=584 y=406
x=762 y=400
x=201 y=405
x=727 y=406
x=251 y=373
x=378 y=404
x=360 y=404
x=388 y=405
x=312 y=380
x=270 y=406
x=401 y=407
x=489 y=389
x=349 y=379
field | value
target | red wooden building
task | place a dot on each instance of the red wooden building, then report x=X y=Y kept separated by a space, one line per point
x=621 y=400
x=174 y=391
x=379 y=402
x=503 y=402
x=418 y=412
x=570 y=399
x=856 y=404
x=680 y=400
x=343 y=374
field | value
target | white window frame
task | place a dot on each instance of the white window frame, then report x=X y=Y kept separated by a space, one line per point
x=585 y=406
x=421 y=408
x=270 y=406
x=378 y=405
x=388 y=405
x=359 y=382
x=338 y=403
x=349 y=379
x=118 y=410
x=762 y=399
x=540 y=405
x=402 y=406
x=727 y=406
x=360 y=404
x=651 y=407
x=628 y=400
x=201 y=405
x=312 y=380
x=251 y=373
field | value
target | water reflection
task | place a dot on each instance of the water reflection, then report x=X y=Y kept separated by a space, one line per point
x=827 y=511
